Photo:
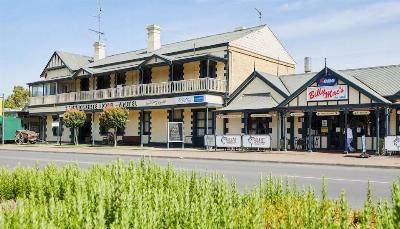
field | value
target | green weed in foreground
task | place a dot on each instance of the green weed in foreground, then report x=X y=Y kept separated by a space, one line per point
x=143 y=195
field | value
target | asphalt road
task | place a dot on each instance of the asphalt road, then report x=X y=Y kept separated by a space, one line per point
x=354 y=180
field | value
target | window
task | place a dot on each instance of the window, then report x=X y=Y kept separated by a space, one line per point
x=178 y=116
x=259 y=125
x=103 y=82
x=146 y=124
x=85 y=84
x=37 y=90
x=145 y=75
x=120 y=79
x=211 y=71
x=177 y=71
x=50 y=89
x=200 y=123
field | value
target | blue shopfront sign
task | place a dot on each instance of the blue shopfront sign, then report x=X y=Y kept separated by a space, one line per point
x=198 y=99
x=328 y=80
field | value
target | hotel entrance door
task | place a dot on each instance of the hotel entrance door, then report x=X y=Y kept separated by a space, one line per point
x=326 y=131
x=335 y=133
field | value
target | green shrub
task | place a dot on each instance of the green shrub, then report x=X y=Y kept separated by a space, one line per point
x=140 y=194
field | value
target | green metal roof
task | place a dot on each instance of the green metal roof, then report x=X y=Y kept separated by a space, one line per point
x=381 y=80
x=74 y=61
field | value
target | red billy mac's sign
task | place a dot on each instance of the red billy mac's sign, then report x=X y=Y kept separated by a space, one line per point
x=326 y=93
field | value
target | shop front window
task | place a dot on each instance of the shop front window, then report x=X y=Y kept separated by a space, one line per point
x=259 y=125
x=200 y=123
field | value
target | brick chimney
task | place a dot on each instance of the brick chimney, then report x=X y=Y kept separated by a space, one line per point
x=153 y=38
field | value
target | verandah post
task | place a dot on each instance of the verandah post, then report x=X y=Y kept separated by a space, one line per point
x=310 y=113
x=345 y=130
x=377 y=130
x=387 y=121
x=141 y=127
x=284 y=129
x=278 y=132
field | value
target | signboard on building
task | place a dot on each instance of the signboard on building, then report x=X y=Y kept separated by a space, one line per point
x=328 y=113
x=209 y=140
x=256 y=141
x=297 y=114
x=392 y=143
x=193 y=99
x=361 y=112
x=175 y=132
x=261 y=115
x=229 y=116
x=55 y=124
x=328 y=80
x=327 y=93
x=228 y=141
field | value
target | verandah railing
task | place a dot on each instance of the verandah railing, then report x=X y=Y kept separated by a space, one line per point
x=163 y=88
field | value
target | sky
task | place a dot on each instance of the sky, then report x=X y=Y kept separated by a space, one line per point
x=349 y=33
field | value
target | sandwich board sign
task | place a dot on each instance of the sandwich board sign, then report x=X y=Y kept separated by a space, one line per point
x=175 y=132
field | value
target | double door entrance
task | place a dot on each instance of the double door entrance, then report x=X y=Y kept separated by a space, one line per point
x=327 y=132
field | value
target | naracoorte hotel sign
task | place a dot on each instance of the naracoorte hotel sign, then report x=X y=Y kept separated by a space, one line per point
x=140 y=103
x=326 y=93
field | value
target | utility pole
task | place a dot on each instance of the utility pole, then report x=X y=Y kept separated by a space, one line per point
x=3 y=119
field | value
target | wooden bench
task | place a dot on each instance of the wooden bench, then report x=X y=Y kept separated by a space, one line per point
x=131 y=140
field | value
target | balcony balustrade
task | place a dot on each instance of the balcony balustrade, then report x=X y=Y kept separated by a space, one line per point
x=163 y=88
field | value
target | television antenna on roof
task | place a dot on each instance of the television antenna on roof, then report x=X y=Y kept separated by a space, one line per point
x=98 y=16
x=259 y=14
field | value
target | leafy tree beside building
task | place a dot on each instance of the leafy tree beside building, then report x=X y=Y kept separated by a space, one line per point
x=114 y=118
x=74 y=119
x=18 y=99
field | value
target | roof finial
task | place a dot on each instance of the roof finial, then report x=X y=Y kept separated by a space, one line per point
x=254 y=66
x=326 y=69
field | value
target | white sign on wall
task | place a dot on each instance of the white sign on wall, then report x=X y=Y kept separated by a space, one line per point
x=392 y=143
x=326 y=93
x=256 y=141
x=209 y=140
x=261 y=115
x=146 y=102
x=233 y=141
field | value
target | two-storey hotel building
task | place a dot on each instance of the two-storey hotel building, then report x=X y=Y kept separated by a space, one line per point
x=182 y=81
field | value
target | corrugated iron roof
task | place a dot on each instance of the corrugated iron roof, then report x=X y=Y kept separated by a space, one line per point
x=177 y=46
x=252 y=102
x=383 y=80
x=74 y=61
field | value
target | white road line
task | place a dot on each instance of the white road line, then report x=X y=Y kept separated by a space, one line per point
x=336 y=179
x=48 y=160
x=204 y=170
x=297 y=177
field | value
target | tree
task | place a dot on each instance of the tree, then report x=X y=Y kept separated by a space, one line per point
x=18 y=98
x=75 y=119
x=114 y=118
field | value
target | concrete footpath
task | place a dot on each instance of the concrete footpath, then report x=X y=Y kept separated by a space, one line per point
x=294 y=157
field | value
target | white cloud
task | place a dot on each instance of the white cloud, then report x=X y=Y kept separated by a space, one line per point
x=372 y=14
